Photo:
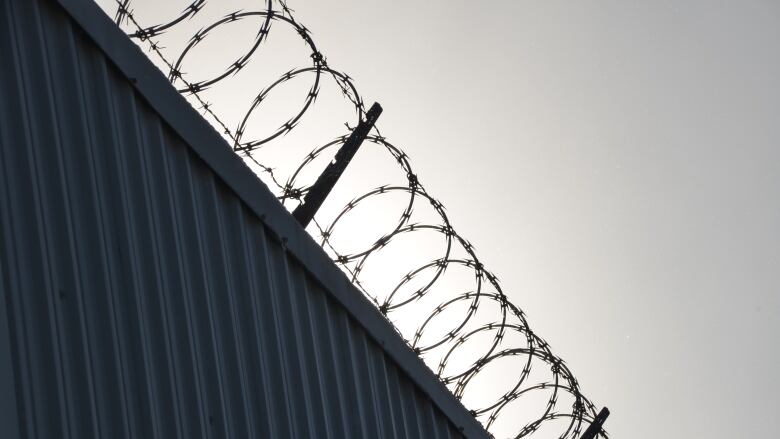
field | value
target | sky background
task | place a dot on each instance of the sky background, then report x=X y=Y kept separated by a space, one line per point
x=617 y=165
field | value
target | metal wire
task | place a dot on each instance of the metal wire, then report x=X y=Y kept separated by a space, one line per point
x=487 y=329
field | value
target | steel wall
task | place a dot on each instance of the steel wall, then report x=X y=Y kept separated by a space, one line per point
x=151 y=287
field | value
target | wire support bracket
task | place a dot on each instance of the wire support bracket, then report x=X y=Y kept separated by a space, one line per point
x=597 y=425
x=327 y=180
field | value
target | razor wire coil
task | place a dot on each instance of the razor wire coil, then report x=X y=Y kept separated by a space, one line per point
x=506 y=334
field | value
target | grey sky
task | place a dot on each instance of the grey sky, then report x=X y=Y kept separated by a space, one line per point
x=616 y=164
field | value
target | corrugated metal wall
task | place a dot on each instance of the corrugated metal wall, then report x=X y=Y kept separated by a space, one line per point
x=141 y=296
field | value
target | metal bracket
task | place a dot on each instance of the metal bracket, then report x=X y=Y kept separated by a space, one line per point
x=595 y=426
x=324 y=184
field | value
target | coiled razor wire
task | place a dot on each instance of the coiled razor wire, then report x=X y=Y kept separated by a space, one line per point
x=478 y=329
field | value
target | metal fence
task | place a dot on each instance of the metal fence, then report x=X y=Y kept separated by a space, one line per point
x=151 y=286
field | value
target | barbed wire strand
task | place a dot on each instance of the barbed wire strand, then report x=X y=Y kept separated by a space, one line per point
x=504 y=335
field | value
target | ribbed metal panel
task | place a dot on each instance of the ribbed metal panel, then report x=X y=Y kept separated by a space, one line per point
x=143 y=297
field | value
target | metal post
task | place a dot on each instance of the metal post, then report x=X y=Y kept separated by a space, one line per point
x=322 y=187
x=595 y=426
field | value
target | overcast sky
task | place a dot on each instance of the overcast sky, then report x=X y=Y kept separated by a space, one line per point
x=617 y=165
